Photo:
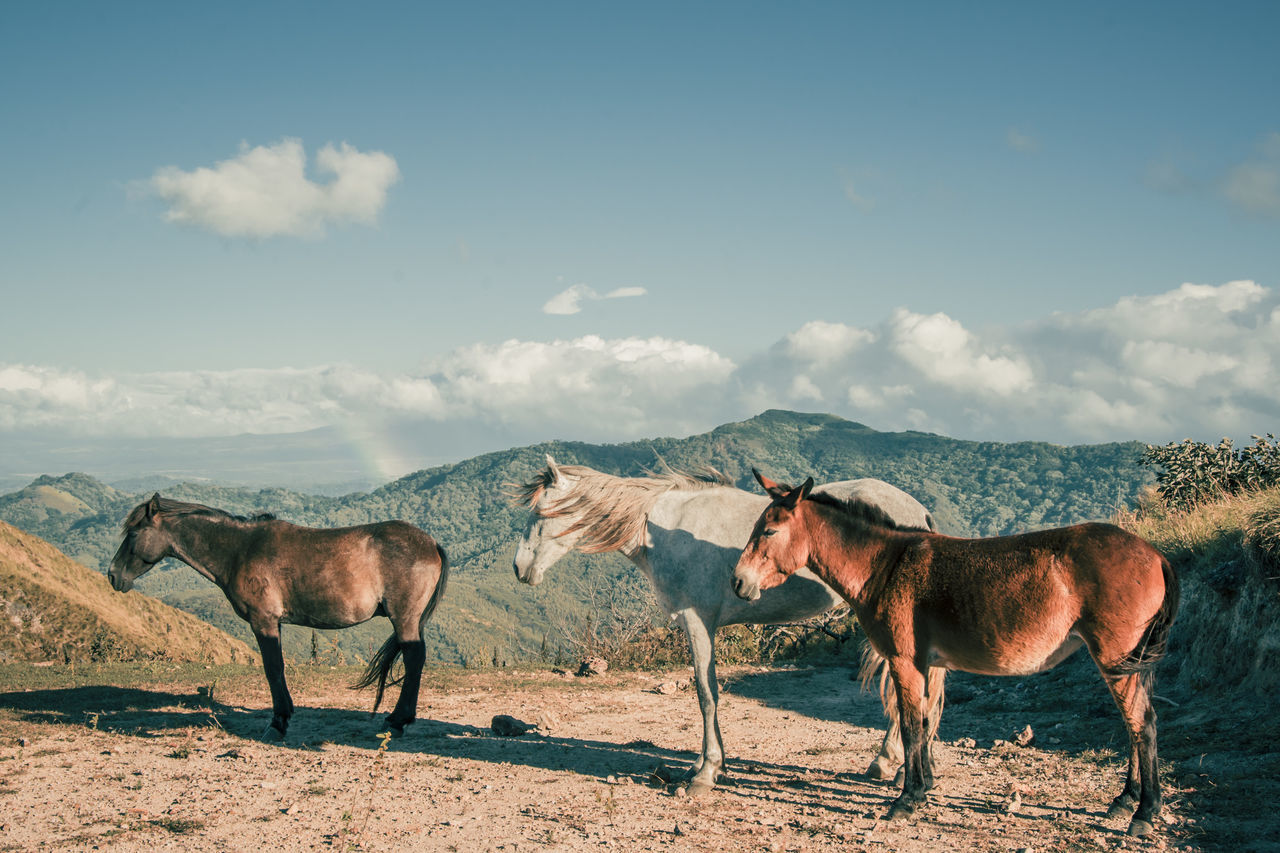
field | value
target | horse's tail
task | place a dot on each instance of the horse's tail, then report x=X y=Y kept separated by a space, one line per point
x=1155 y=640
x=378 y=669
x=380 y=664
x=873 y=662
x=441 y=583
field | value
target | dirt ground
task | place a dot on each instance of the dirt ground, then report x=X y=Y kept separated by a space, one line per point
x=167 y=766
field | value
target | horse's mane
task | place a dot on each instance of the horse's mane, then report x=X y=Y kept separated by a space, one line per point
x=609 y=511
x=857 y=509
x=173 y=508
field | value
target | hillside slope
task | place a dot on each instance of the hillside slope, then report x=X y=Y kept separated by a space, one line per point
x=57 y=609
x=973 y=488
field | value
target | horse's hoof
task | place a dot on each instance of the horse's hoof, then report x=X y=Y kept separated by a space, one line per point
x=1139 y=828
x=1121 y=808
x=396 y=729
x=697 y=788
x=880 y=770
x=901 y=811
x=272 y=735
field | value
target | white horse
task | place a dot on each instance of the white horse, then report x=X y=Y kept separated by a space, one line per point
x=685 y=533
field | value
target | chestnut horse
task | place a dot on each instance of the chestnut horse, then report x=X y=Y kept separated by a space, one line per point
x=273 y=572
x=1011 y=605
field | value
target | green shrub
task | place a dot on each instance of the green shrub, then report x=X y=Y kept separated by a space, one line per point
x=1195 y=472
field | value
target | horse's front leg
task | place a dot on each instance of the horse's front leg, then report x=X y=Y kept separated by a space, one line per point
x=706 y=771
x=268 y=637
x=910 y=684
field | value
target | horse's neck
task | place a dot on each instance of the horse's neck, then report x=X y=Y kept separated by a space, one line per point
x=846 y=556
x=204 y=544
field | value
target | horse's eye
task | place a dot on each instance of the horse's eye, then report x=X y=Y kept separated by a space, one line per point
x=764 y=534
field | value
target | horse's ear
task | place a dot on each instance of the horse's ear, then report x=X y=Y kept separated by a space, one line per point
x=153 y=506
x=775 y=490
x=557 y=479
x=805 y=488
x=794 y=496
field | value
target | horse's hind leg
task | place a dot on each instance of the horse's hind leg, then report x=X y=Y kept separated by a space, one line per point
x=933 y=715
x=1132 y=693
x=273 y=663
x=406 y=709
x=702 y=647
x=888 y=761
x=414 y=650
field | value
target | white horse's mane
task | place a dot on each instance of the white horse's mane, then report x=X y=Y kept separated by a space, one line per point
x=610 y=512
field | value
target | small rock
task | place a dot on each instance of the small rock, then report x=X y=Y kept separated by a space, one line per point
x=547 y=722
x=611 y=779
x=508 y=726
x=1026 y=737
x=676 y=830
x=967 y=743
x=1012 y=804
x=593 y=666
x=682 y=791
x=666 y=688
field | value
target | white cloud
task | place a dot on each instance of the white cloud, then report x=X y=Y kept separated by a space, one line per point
x=821 y=342
x=1019 y=141
x=569 y=300
x=856 y=196
x=945 y=351
x=1254 y=187
x=265 y=192
x=1197 y=360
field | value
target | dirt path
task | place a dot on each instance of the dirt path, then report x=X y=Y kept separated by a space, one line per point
x=96 y=767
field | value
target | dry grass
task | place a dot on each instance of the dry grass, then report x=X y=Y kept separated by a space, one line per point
x=1227 y=555
x=57 y=610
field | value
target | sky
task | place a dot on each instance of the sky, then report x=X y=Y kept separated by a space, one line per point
x=511 y=222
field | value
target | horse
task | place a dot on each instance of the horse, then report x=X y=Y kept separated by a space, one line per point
x=684 y=532
x=275 y=572
x=1010 y=605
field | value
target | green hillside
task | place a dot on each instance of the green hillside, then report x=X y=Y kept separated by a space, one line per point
x=973 y=488
x=56 y=609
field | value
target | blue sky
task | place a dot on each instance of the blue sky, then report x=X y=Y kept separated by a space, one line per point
x=265 y=218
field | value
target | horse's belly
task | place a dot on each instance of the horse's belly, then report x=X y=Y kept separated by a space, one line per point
x=1011 y=658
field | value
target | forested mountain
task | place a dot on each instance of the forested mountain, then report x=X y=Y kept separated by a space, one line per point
x=973 y=488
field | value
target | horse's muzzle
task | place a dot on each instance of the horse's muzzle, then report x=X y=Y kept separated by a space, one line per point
x=746 y=591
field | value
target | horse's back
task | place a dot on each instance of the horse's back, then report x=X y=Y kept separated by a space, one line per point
x=900 y=506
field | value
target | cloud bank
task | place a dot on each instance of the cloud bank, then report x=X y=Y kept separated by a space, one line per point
x=265 y=192
x=1196 y=361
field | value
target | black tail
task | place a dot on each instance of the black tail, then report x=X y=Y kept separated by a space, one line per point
x=380 y=664
x=1155 y=641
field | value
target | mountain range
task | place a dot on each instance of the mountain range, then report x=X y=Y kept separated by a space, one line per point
x=973 y=489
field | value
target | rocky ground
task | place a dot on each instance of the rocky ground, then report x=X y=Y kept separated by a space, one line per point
x=172 y=763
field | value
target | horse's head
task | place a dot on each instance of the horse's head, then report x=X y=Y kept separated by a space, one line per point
x=778 y=547
x=547 y=537
x=146 y=543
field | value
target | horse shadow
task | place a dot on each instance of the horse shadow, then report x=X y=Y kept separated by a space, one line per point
x=1068 y=707
x=160 y=714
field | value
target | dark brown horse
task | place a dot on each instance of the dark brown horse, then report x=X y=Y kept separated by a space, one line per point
x=1012 y=605
x=274 y=572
